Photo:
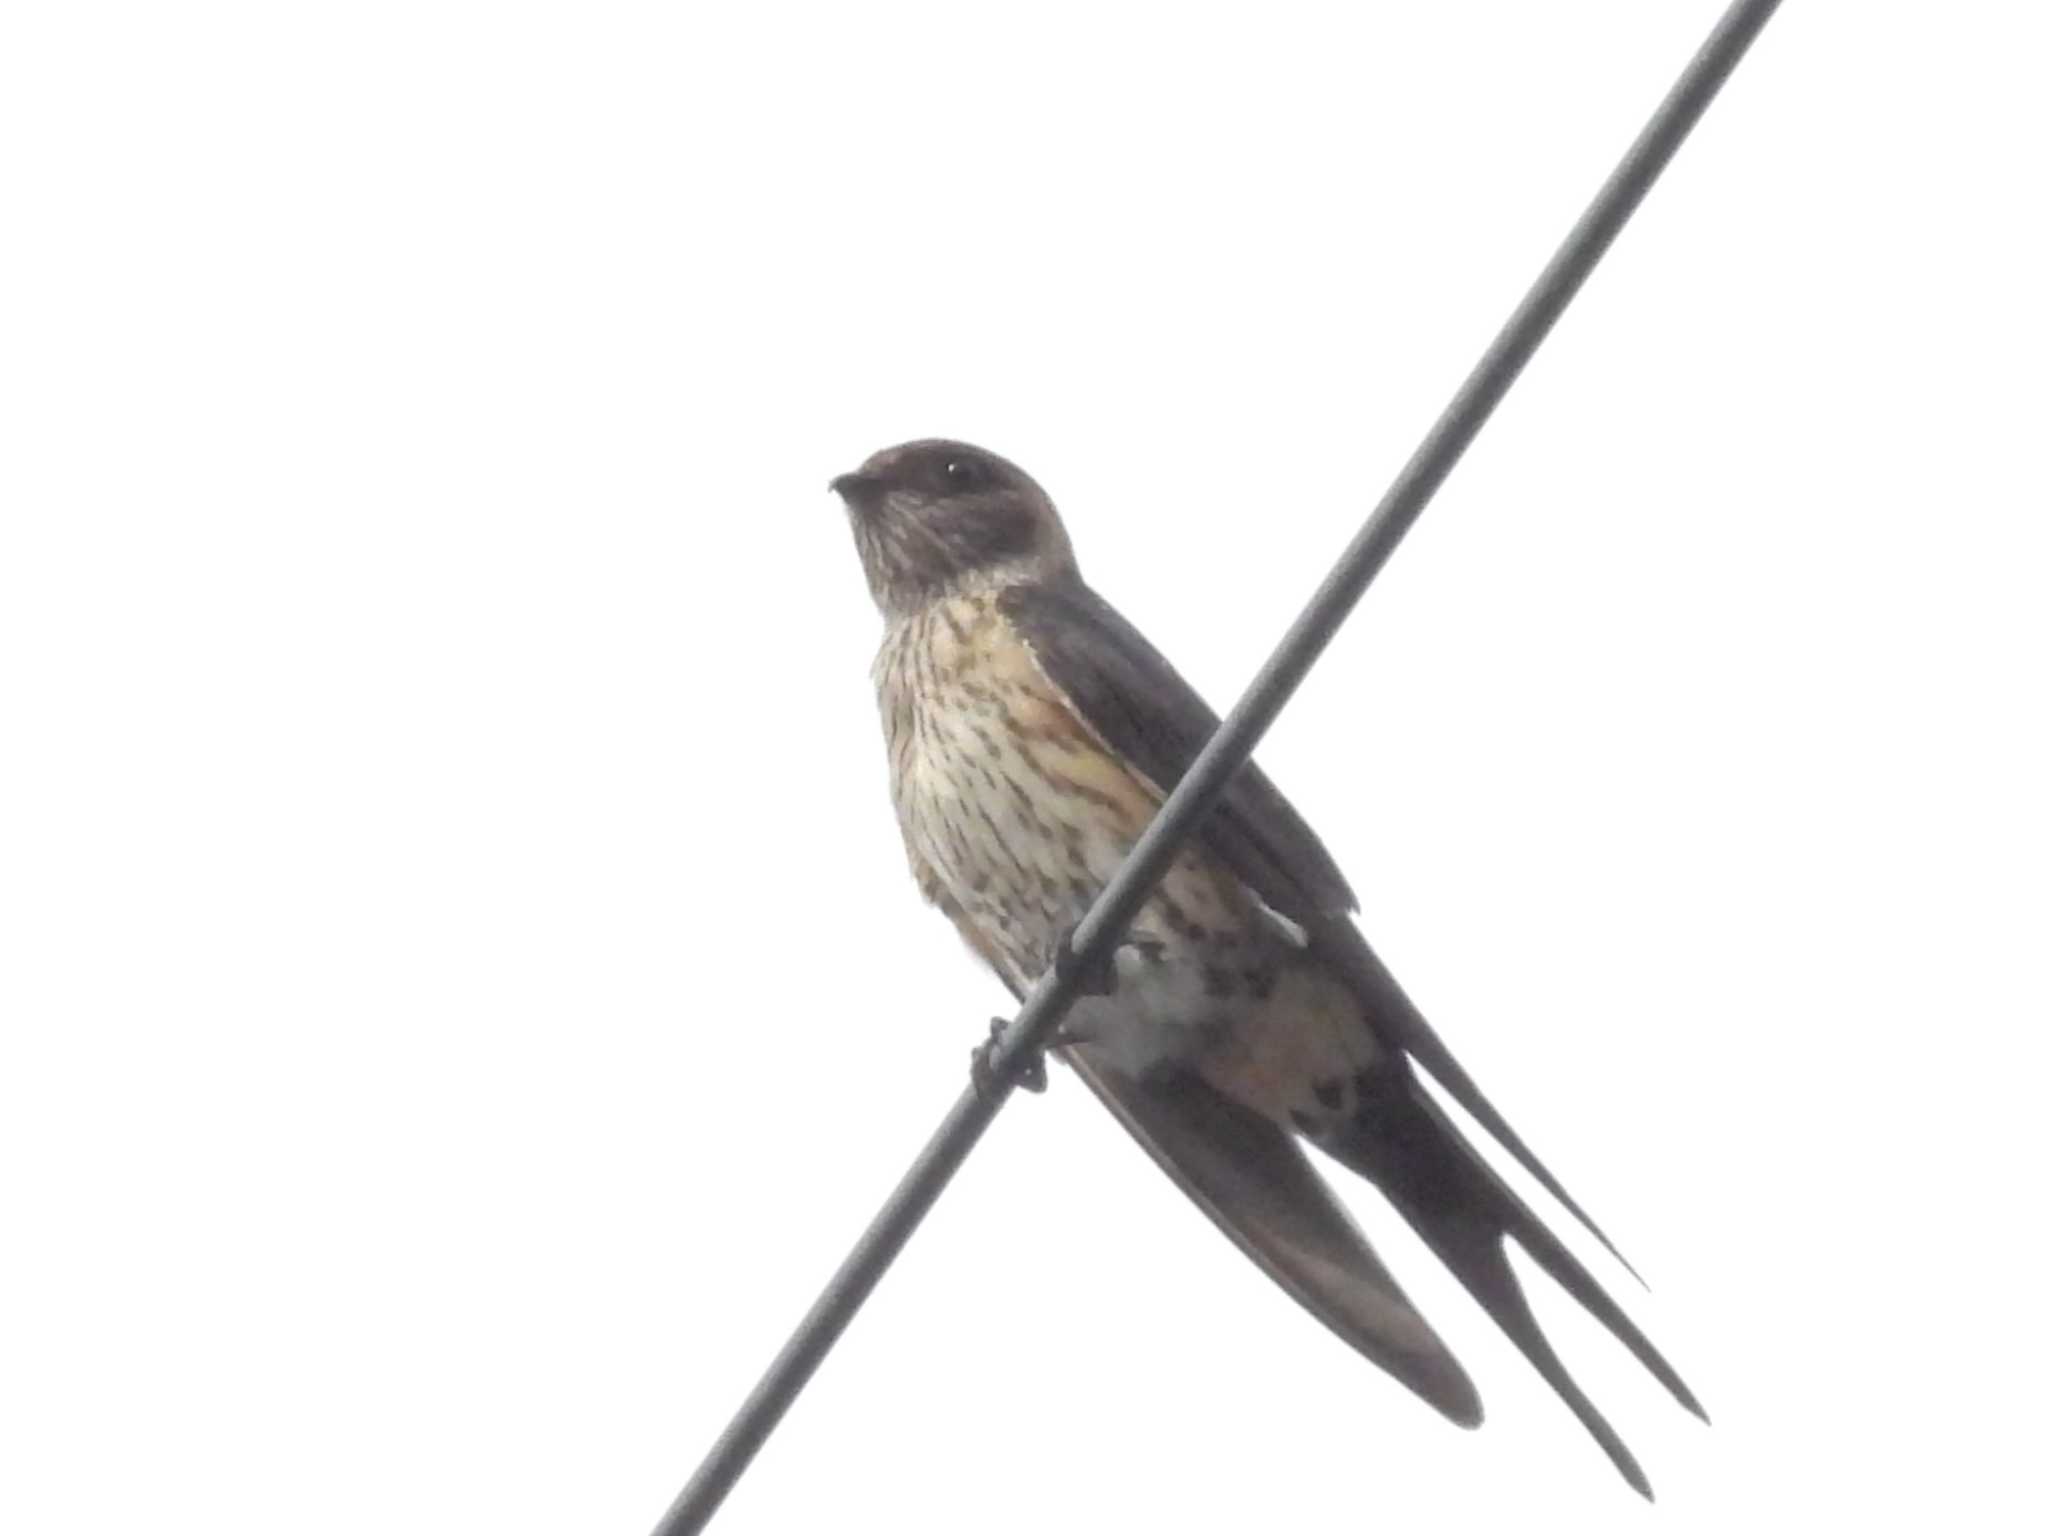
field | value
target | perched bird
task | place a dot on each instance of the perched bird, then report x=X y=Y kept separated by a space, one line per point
x=1032 y=733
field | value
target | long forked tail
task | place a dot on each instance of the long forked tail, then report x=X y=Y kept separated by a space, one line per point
x=1403 y=1142
x=1389 y=1004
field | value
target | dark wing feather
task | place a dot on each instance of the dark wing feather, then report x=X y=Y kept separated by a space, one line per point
x=1253 y=1180
x=1403 y=1021
x=1149 y=715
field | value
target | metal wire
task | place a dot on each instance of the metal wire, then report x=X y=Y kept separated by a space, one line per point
x=1227 y=751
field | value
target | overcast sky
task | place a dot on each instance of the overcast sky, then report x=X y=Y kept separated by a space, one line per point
x=461 y=987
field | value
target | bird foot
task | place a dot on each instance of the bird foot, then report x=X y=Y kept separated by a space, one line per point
x=1095 y=979
x=1028 y=1073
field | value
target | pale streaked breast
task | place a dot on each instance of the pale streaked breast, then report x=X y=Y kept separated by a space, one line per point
x=1011 y=807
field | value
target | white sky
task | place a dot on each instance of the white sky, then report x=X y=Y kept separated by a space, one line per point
x=460 y=984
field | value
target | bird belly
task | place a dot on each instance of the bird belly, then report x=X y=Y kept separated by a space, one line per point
x=1018 y=816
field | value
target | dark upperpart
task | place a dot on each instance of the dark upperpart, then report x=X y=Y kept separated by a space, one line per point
x=933 y=519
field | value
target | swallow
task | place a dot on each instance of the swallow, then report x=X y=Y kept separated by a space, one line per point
x=1032 y=733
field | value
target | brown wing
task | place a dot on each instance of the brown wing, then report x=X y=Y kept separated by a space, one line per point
x=1145 y=712
x=1147 y=715
x=1254 y=1182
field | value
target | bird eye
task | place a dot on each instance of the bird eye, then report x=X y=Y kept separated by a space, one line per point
x=962 y=473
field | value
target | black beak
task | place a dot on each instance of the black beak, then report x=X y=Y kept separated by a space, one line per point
x=856 y=489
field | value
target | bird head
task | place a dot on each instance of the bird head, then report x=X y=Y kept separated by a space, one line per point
x=935 y=519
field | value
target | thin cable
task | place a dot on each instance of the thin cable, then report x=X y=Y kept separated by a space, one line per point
x=1227 y=751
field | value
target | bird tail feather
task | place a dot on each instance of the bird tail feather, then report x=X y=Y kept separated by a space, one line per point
x=1402 y=1141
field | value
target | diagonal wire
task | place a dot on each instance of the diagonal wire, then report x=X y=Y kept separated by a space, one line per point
x=1227 y=751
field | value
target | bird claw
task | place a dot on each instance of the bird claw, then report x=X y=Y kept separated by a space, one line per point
x=1028 y=1074
x=1095 y=979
